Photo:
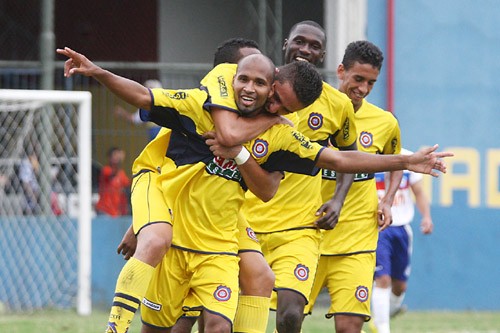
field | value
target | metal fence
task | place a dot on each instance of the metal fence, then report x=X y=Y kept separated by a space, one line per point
x=107 y=128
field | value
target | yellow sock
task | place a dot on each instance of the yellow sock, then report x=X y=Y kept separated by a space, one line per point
x=131 y=286
x=252 y=314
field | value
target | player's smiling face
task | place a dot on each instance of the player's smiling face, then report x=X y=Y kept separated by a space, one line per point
x=305 y=43
x=357 y=81
x=252 y=84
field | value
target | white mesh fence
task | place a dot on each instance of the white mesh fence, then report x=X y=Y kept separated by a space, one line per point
x=44 y=200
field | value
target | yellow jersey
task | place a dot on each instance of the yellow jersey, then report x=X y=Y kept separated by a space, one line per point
x=329 y=119
x=357 y=230
x=206 y=192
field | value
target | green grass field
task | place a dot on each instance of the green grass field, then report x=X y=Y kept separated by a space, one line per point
x=411 y=322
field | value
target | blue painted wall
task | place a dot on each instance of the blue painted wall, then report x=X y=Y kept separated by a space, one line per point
x=107 y=233
x=446 y=82
x=455 y=267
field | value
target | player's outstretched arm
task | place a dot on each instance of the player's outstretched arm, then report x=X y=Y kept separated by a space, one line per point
x=130 y=91
x=426 y=160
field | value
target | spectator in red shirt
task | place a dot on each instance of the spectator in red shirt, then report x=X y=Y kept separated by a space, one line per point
x=113 y=186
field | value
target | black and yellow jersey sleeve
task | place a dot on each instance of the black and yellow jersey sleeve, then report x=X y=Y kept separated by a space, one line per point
x=219 y=84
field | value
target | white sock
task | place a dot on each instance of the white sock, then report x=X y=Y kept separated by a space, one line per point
x=381 y=299
x=396 y=302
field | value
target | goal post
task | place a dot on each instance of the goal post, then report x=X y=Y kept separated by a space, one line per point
x=45 y=172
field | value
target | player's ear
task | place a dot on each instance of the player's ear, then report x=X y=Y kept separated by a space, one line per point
x=285 y=44
x=322 y=56
x=340 y=72
x=271 y=91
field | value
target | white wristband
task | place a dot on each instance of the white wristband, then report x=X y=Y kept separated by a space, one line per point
x=242 y=156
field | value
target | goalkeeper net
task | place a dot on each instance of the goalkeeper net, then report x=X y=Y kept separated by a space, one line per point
x=45 y=200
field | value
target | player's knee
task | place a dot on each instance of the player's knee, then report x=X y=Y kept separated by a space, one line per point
x=152 y=246
x=398 y=288
x=267 y=279
x=289 y=320
x=217 y=326
x=383 y=281
x=158 y=247
x=348 y=323
x=183 y=325
x=156 y=236
x=257 y=283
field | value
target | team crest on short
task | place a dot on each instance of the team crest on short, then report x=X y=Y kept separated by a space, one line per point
x=222 y=293
x=251 y=234
x=315 y=120
x=260 y=148
x=301 y=272
x=366 y=139
x=362 y=293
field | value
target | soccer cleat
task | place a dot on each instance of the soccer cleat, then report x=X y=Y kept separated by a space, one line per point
x=111 y=328
x=399 y=311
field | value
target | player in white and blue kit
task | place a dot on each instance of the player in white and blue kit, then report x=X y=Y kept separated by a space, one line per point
x=395 y=244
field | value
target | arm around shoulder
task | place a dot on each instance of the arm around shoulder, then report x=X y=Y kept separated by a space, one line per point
x=233 y=129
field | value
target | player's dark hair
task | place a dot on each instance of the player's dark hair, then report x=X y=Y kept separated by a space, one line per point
x=364 y=52
x=229 y=50
x=308 y=22
x=305 y=79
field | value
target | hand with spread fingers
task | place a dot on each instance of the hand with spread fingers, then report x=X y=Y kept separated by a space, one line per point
x=426 y=160
x=77 y=63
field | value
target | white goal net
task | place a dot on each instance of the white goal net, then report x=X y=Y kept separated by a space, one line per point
x=45 y=200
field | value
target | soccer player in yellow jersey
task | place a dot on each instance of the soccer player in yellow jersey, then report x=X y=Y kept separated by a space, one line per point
x=194 y=165
x=151 y=218
x=146 y=170
x=256 y=279
x=287 y=225
x=154 y=165
x=347 y=258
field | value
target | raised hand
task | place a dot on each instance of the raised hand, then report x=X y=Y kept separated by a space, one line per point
x=426 y=160
x=128 y=90
x=77 y=63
